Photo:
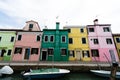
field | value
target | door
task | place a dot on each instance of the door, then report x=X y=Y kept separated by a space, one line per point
x=27 y=53
x=112 y=55
x=78 y=55
x=44 y=55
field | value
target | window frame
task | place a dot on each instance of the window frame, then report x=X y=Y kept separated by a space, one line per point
x=106 y=29
x=69 y=30
x=85 y=52
x=117 y=40
x=45 y=38
x=38 y=38
x=33 y=49
x=9 y=52
x=49 y=52
x=16 y=52
x=51 y=38
x=96 y=41
x=19 y=37
x=91 y=29
x=70 y=40
x=109 y=41
x=31 y=26
x=71 y=53
x=12 y=39
x=62 y=39
x=84 y=41
x=82 y=30
x=95 y=52
x=63 y=54
x=0 y=38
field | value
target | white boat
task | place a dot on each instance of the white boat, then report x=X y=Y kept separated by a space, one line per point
x=46 y=73
x=104 y=73
x=6 y=70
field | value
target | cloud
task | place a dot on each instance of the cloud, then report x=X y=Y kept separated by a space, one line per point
x=75 y=12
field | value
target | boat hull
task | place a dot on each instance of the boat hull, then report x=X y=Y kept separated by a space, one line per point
x=45 y=75
x=103 y=73
x=48 y=74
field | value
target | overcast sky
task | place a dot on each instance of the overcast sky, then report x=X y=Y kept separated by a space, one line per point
x=14 y=13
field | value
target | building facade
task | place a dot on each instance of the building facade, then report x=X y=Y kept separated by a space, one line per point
x=101 y=43
x=28 y=43
x=116 y=38
x=54 y=44
x=78 y=43
x=7 y=40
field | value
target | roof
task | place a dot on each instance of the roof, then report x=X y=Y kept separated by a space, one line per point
x=74 y=26
x=100 y=25
x=31 y=21
x=17 y=30
x=116 y=34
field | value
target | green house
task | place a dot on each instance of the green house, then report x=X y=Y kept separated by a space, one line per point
x=54 y=44
x=7 y=39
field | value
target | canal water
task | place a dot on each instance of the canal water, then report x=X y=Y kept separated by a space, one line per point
x=70 y=76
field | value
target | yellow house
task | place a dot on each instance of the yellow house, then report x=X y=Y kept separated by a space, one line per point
x=78 y=43
x=116 y=38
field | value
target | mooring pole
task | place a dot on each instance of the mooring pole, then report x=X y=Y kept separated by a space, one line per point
x=113 y=71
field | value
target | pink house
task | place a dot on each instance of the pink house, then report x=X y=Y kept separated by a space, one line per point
x=28 y=43
x=101 y=43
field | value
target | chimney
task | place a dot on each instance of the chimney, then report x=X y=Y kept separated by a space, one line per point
x=57 y=25
x=95 y=21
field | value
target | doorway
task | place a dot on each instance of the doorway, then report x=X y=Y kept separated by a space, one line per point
x=112 y=54
x=27 y=53
x=78 y=55
x=44 y=55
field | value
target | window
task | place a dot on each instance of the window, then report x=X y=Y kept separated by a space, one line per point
x=91 y=29
x=106 y=29
x=30 y=26
x=95 y=41
x=95 y=53
x=81 y=30
x=38 y=37
x=18 y=50
x=19 y=37
x=69 y=30
x=51 y=38
x=3 y=52
x=12 y=39
x=63 y=52
x=70 y=40
x=119 y=50
x=83 y=40
x=50 y=52
x=0 y=38
x=9 y=52
x=46 y=39
x=63 y=39
x=71 y=52
x=118 y=40
x=85 y=54
x=109 y=41
x=34 y=51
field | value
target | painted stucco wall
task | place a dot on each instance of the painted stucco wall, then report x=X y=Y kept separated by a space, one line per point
x=103 y=47
x=6 y=43
x=77 y=44
x=117 y=43
x=29 y=40
x=56 y=44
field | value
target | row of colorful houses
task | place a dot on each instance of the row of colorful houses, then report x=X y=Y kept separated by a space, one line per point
x=81 y=43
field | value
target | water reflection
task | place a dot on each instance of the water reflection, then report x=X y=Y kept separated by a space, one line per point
x=71 y=76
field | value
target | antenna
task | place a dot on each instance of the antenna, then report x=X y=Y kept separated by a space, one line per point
x=45 y=26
